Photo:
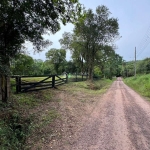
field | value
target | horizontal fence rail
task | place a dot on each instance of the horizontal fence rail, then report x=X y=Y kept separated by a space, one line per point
x=23 y=84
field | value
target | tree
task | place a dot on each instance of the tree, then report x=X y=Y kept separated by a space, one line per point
x=77 y=47
x=57 y=57
x=96 y=30
x=29 y=20
x=70 y=67
x=38 y=67
x=108 y=61
x=22 y=65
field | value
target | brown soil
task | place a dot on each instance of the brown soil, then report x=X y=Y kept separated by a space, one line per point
x=118 y=120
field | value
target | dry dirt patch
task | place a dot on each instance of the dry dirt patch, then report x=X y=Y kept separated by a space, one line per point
x=74 y=104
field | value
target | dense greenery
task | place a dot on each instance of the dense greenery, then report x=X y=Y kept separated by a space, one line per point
x=91 y=40
x=142 y=67
x=141 y=84
x=56 y=63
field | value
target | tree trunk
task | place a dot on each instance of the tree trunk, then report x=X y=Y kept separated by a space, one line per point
x=90 y=69
x=91 y=66
x=5 y=80
x=4 y=88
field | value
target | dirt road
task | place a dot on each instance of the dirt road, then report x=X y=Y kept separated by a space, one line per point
x=120 y=121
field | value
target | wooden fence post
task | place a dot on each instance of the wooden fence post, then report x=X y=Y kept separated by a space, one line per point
x=53 y=81
x=66 y=78
x=17 y=90
x=18 y=84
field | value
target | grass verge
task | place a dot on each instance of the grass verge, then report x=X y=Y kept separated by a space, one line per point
x=29 y=118
x=140 y=83
x=17 y=123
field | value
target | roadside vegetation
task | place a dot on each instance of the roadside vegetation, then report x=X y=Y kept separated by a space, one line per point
x=29 y=119
x=140 y=83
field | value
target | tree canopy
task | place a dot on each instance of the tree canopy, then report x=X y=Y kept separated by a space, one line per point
x=29 y=20
x=91 y=34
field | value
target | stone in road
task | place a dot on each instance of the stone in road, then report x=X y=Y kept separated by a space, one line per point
x=120 y=121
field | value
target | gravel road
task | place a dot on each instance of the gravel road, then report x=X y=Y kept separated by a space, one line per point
x=120 y=121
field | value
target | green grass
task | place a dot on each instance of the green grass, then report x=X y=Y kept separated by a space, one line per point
x=15 y=122
x=16 y=125
x=32 y=99
x=140 y=83
x=97 y=87
x=35 y=79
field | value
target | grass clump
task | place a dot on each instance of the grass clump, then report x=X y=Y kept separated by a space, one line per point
x=16 y=122
x=95 y=87
x=140 y=83
x=13 y=131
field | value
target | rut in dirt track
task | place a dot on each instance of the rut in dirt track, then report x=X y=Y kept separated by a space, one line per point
x=120 y=121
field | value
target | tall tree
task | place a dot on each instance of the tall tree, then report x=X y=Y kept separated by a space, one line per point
x=77 y=47
x=29 y=20
x=96 y=30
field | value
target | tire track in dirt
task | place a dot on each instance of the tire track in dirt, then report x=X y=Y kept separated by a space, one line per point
x=120 y=121
x=137 y=112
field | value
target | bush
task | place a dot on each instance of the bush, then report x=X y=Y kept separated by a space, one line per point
x=13 y=131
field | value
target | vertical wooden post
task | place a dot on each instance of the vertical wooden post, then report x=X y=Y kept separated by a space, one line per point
x=53 y=81
x=17 y=83
x=3 y=88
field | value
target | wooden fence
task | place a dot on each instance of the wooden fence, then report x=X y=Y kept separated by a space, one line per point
x=23 y=84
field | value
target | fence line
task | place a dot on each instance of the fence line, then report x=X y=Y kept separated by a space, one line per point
x=26 y=86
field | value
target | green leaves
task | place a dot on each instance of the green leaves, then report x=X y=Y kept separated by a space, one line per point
x=57 y=58
x=29 y=20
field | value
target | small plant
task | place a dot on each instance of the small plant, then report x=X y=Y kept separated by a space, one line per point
x=13 y=131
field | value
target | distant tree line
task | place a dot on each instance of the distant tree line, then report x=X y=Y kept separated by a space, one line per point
x=56 y=63
x=142 y=67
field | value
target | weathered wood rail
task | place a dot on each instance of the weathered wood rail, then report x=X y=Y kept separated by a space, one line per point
x=22 y=83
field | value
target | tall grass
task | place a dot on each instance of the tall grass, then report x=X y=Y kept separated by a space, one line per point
x=141 y=84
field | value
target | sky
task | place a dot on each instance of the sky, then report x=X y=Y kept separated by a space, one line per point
x=134 y=28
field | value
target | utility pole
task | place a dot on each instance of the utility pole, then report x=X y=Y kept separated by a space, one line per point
x=135 y=63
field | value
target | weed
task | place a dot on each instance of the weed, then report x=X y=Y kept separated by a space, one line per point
x=13 y=131
x=140 y=84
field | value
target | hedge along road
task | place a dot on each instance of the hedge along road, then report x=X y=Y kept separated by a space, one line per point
x=120 y=121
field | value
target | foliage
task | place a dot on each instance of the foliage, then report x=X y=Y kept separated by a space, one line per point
x=22 y=65
x=57 y=58
x=34 y=19
x=38 y=67
x=16 y=125
x=142 y=67
x=96 y=29
x=13 y=131
x=70 y=67
x=91 y=34
x=140 y=84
